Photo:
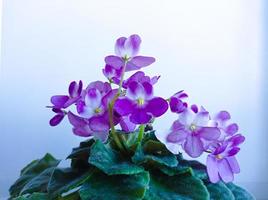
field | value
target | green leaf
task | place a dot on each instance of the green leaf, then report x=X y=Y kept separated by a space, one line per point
x=219 y=191
x=110 y=161
x=32 y=170
x=200 y=170
x=79 y=155
x=103 y=187
x=185 y=186
x=34 y=196
x=154 y=154
x=239 y=193
x=38 y=183
x=64 y=180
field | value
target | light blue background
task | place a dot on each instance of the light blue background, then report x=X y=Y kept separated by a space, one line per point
x=214 y=50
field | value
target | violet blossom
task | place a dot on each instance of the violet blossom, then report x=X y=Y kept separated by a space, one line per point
x=54 y=121
x=222 y=163
x=177 y=103
x=126 y=50
x=140 y=104
x=193 y=131
x=112 y=74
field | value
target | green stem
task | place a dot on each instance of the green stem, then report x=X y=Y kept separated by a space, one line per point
x=141 y=132
x=111 y=108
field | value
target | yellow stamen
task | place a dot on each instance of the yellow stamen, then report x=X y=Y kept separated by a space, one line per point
x=97 y=110
x=140 y=101
x=219 y=156
x=193 y=127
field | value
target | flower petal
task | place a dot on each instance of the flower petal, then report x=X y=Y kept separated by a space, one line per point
x=99 y=123
x=142 y=61
x=132 y=45
x=76 y=121
x=225 y=171
x=231 y=129
x=124 y=106
x=82 y=131
x=223 y=116
x=93 y=98
x=233 y=164
x=201 y=119
x=212 y=169
x=59 y=100
x=177 y=136
x=209 y=133
x=114 y=61
x=187 y=117
x=140 y=116
x=157 y=106
x=193 y=146
x=119 y=46
x=127 y=125
x=56 y=120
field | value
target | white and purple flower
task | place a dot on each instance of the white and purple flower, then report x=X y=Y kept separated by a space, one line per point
x=126 y=50
x=140 y=104
x=193 y=131
x=177 y=103
x=221 y=163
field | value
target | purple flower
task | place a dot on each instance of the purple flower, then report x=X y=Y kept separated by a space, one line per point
x=126 y=124
x=57 y=118
x=193 y=131
x=140 y=104
x=126 y=50
x=82 y=127
x=64 y=101
x=227 y=128
x=140 y=77
x=221 y=163
x=112 y=74
x=176 y=103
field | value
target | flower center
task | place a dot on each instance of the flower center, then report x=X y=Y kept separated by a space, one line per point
x=97 y=110
x=192 y=127
x=219 y=157
x=140 y=101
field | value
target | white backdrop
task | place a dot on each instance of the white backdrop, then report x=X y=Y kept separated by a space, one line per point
x=211 y=49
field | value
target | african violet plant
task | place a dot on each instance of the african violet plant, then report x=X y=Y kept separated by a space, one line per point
x=134 y=162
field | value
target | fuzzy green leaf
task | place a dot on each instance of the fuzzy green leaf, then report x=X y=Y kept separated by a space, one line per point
x=219 y=191
x=179 y=187
x=34 y=196
x=31 y=171
x=110 y=161
x=154 y=154
x=239 y=193
x=103 y=187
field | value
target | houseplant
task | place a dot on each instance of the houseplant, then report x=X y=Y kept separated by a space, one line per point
x=123 y=156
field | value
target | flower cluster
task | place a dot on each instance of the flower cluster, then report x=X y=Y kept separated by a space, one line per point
x=130 y=103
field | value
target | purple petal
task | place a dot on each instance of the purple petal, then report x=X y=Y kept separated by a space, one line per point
x=119 y=46
x=59 y=100
x=233 y=164
x=56 y=120
x=231 y=129
x=99 y=123
x=131 y=67
x=140 y=116
x=102 y=87
x=225 y=171
x=237 y=140
x=194 y=108
x=176 y=105
x=201 y=119
x=123 y=106
x=82 y=131
x=177 y=136
x=127 y=125
x=108 y=97
x=135 y=91
x=142 y=61
x=154 y=79
x=209 y=133
x=76 y=121
x=212 y=169
x=187 y=117
x=157 y=106
x=233 y=151
x=193 y=146
x=132 y=45
x=75 y=89
x=148 y=90
x=114 y=61
x=177 y=126
x=93 y=98
x=223 y=116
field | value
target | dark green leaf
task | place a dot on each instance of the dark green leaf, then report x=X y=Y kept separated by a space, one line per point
x=34 y=196
x=32 y=170
x=64 y=180
x=178 y=187
x=219 y=191
x=154 y=154
x=200 y=170
x=239 y=193
x=117 y=187
x=110 y=161
x=38 y=183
